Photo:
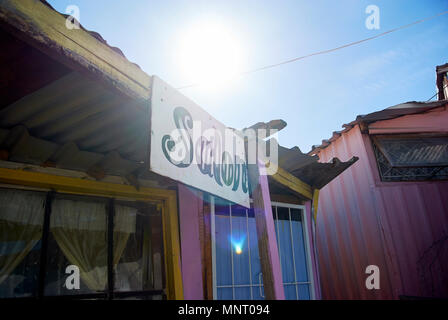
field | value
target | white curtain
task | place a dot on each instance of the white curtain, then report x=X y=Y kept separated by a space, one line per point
x=80 y=230
x=21 y=220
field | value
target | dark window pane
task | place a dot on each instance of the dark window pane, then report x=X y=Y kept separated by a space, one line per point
x=407 y=159
x=78 y=236
x=21 y=220
x=222 y=210
x=238 y=211
x=138 y=249
x=296 y=214
x=414 y=151
x=282 y=213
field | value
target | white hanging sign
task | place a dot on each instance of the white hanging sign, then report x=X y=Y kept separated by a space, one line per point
x=190 y=146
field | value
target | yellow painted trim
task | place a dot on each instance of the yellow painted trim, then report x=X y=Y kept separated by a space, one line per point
x=172 y=250
x=168 y=199
x=50 y=31
x=293 y=183
x=315 y=202
x=80 y=186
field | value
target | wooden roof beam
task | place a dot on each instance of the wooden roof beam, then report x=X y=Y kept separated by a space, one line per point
x=293 y=183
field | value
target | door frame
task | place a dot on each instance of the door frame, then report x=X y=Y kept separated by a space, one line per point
x=307 y=242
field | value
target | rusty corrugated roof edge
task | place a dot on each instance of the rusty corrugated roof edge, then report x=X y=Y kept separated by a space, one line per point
x=399 y=110
x=94 y=34
x=319 y=174
x=308 y=168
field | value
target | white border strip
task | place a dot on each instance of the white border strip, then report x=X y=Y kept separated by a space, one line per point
x=213 y=236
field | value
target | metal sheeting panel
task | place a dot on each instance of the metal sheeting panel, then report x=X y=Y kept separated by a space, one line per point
x=417 y=216
x=400 y=227
x=21 y=147
x=77 y=110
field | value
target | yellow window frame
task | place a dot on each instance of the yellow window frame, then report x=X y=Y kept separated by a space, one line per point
x=166 y=198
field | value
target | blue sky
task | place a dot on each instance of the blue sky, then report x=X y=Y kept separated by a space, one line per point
x=314 y=96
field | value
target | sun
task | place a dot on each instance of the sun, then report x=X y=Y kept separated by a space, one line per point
x=209 y=54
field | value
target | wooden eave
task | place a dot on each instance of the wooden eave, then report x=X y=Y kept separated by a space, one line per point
x=44 y=28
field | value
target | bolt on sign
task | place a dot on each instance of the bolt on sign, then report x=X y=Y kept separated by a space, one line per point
x=190 y=146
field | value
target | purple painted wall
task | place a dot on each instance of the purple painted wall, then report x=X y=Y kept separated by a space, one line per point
x=401 y=227
x=189 y=206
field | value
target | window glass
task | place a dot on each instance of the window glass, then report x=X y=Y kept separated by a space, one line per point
x=78 y=246
x=78 y=237
x=291 y=244
x=411 y=158
x=415 y=151
x=138 y=250
x=238 y=265
x=236 y=248
x=21 y=220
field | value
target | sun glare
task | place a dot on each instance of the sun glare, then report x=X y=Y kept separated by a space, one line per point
x=209 y=54
x=237 y=244
x=238 y=249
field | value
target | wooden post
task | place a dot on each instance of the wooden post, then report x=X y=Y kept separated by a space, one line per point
x=267 y=242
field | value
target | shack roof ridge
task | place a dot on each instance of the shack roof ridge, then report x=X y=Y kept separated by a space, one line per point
x=94 y=34
x=395 y=111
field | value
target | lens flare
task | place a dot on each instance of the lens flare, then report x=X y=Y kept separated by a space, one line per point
x=238 y=249
x=237 y=245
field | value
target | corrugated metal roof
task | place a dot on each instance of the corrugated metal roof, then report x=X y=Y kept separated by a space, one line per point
x=24 y=148
x=308 y=169
x=319 y=174
x=399 y=110
x=70 y=121
x=77 y=110
x=53 y=116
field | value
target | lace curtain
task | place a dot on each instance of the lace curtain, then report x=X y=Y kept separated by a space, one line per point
x=21 y=219
x=79 y=228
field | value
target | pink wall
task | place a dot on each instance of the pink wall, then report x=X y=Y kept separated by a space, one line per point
x=435 y=120
x=191 y=260
x=401 y=227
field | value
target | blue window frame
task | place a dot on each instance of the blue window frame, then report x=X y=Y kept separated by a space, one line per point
x=236 y=261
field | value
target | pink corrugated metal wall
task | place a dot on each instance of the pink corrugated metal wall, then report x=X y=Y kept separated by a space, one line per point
x=401 y=227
